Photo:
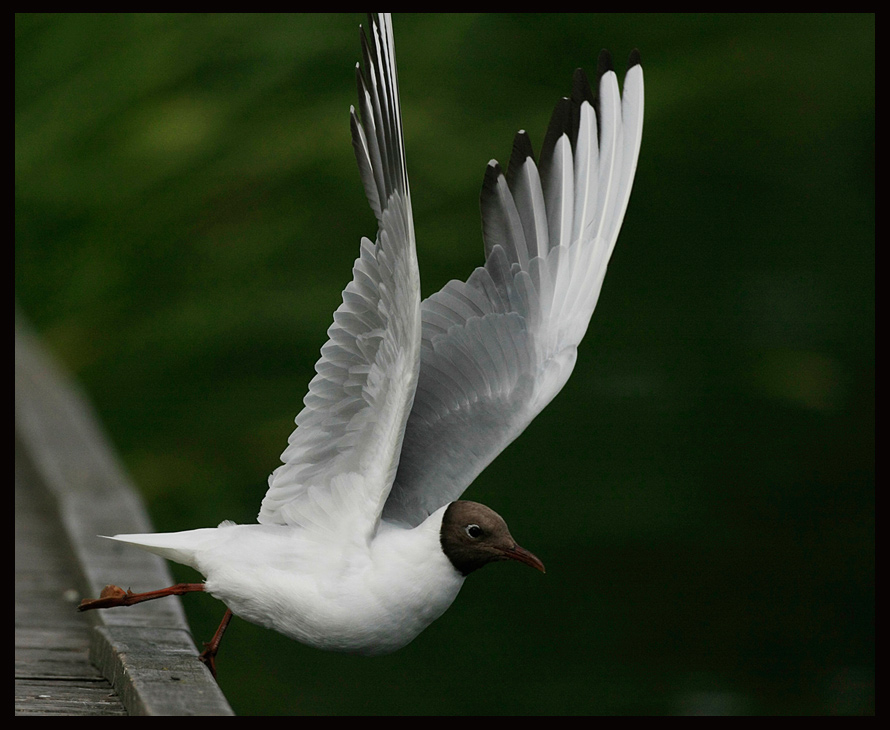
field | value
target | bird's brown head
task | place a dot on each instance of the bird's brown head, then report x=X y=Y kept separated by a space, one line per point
x=473 y=535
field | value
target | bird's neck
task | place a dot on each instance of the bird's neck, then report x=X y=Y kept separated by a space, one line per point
x=415 y=556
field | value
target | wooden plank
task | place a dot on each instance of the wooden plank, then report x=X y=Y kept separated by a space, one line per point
x=53 y=673
x=148 y=655
x=66 y=697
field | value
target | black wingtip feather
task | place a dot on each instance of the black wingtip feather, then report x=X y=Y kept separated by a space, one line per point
x=489 y=183
x=522 y=151
x=490 y=207
x=560 y=123
x=581 y=90
x=634 y=59
x=604 y=64
x=365 y=66
x=522 y=147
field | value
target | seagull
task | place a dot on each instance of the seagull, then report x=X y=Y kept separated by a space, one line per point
x=362 y=540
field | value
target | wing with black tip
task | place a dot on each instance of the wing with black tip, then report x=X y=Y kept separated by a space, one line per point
x=498 y=347
x=341 y=460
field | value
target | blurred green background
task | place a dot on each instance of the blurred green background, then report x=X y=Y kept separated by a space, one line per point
x=187 y=211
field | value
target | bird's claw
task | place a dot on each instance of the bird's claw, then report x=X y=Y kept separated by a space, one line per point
x=208 y=657
x=110 y=597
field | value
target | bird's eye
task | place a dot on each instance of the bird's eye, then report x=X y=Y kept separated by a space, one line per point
x=473 y=531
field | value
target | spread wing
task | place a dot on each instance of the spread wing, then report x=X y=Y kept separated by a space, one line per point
x=497 y=348
x=341 y=460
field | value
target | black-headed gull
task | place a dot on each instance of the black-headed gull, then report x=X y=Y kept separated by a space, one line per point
x=361 y=539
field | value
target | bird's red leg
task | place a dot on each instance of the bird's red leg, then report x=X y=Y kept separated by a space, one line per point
x=208 y=656
x=112 y=596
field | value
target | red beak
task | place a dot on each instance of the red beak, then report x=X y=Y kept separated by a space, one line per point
x=524 y=556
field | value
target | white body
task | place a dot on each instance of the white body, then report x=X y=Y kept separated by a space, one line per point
x=371 y=599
